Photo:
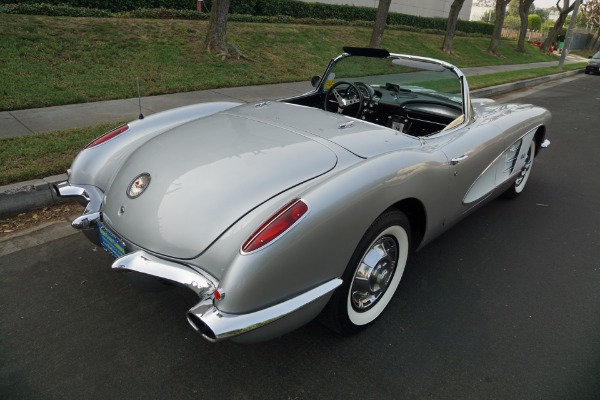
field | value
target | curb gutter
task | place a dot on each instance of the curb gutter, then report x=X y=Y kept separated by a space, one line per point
x=26 y=196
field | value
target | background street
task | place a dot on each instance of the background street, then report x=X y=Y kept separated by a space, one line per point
x=505 y=305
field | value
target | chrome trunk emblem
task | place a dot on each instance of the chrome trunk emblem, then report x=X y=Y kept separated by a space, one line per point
x=138 y=185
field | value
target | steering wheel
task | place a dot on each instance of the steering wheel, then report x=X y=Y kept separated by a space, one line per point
x=350 y=102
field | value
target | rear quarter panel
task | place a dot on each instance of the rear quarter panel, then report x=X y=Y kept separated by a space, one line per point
x=341 y=209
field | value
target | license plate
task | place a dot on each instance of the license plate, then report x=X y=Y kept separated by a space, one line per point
x=109 y=241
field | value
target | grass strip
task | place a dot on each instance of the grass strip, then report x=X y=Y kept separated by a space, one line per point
x=50 y=153
x=483 y=81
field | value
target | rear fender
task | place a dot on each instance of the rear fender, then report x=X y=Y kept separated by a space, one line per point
x=316 y=250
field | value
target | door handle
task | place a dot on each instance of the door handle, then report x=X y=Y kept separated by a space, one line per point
x=457 y=160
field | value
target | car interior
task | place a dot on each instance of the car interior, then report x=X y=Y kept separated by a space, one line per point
x=414 y=97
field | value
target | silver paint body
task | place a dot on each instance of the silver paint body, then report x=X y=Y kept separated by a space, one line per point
x=219 y=170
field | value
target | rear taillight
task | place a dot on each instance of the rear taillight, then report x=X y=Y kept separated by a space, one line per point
x=107 y=136
x=276 y=225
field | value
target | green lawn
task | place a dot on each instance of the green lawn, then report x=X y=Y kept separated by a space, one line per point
x=37 y=156
x=49 y=61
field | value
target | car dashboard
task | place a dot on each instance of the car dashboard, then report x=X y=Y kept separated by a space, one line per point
x=415 y=113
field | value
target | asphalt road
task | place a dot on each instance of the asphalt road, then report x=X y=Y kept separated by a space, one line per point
x=506 y=305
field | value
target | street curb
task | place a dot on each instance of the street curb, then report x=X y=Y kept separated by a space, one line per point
x=26 y=196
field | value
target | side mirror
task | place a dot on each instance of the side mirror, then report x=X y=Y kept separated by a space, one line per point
x=315 y=80
x=590 y=57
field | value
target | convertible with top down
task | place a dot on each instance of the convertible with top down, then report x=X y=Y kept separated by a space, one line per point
x=277 y=212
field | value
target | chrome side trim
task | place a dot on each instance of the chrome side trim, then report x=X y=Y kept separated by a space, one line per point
x=530 y=132
x=216 y=325
x=145 y=263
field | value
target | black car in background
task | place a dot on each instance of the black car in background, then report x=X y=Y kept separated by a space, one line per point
x=593 y=64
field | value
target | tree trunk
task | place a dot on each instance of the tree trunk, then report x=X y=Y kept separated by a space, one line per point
x=500 y=14
x=451 y=27
x=524 y=6
x=562 y=17
x=216 y=38
x=379 y=27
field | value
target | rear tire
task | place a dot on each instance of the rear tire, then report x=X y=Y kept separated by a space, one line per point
x=372 y=275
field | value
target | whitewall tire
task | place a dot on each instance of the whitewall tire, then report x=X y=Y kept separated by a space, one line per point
x=372 y=275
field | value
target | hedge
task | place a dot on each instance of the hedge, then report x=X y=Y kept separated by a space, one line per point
x=294 y=9
x=114 y=5
x=59 y=10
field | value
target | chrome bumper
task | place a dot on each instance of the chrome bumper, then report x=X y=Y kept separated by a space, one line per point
x=91 y=198
x=216 y=325
x=205 y=317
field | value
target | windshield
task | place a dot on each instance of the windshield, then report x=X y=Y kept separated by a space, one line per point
x=597 y=55
x=401 y=75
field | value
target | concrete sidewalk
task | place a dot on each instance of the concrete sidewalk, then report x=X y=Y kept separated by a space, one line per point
x=30 y=121
x=25 y=196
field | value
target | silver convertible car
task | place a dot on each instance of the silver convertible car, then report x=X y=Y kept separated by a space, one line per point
x=277 y=212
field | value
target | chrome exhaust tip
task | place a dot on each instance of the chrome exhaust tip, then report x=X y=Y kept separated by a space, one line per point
x=194 y=317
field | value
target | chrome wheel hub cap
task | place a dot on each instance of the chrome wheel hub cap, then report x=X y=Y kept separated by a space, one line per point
x=374 y=273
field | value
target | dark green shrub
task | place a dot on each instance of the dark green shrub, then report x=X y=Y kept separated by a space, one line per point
x=53 y=10
x=115 y=6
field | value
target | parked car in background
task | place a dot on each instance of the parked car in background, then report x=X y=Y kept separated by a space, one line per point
x=277 y=212
x=593 y=65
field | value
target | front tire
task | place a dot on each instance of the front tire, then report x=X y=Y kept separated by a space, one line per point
x=372 y=275
x=523 y=177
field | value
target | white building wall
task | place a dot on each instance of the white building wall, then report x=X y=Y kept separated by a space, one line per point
x=478 y=11
x=423 y=8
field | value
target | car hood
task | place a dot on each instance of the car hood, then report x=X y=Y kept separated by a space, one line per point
x=205 y=175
